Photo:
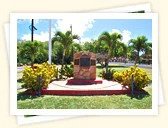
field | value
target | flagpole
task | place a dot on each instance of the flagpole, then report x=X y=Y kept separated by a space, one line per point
x=49 y=44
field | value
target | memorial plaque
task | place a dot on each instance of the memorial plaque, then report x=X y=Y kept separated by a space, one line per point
x=85 y=62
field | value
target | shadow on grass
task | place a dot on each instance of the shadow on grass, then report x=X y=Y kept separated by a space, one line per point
x=24 y=96
x=139 y=94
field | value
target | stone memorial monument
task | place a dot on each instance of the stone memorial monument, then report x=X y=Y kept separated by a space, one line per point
x=84 y=68
x=85 y=65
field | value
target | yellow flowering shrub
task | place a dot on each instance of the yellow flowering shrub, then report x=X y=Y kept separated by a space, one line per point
x=39 y=76
x=138 y=75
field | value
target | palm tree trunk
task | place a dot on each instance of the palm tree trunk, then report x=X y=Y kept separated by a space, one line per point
x=32 y=60
x=107 y=60
x=106 y=65
x=137 y=58
x=135 y=61
x=62 y=64
x=63 y=56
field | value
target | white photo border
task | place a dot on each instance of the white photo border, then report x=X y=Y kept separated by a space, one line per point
x=13 y=64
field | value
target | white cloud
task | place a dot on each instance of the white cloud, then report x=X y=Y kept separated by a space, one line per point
x=116 y=30
x=43 y=36
x=85 y=39
x=125 y=33
x=126 y=36
x=36 y=21
x=79 y=25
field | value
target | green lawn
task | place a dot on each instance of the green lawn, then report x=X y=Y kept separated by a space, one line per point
x=115 y=67
x=142 y=101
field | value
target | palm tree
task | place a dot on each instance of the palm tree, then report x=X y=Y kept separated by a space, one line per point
x=139 y=45
x=88 y=46
x=148 y=48
x=66 y=39
x=75 y=47
x=111 y=41
x=148 y=52
x=121 y=50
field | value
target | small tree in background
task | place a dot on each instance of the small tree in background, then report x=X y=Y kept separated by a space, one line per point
x=66 y=39
x=139 y=44
x=111 y=41
x=30 y=52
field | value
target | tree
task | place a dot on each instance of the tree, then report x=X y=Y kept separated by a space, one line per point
x=139 y=45
x=42 y=54
x=89 y=46
x=148 y=53
x=75 y=47
x=110 y=41
x=66 y=39
x=121 y=50
x=131 y=53
x=148 y=49
x=57 y=53
x=29 y=52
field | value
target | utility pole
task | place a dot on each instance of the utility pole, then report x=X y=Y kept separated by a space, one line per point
x=32 y=31
x=71 y=28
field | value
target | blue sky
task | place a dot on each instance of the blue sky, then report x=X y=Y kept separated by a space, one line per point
x=87 y=29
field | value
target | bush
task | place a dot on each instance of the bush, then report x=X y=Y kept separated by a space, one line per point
x=38 y=76
x=67 y=71
x=107 y=75
x=135 y=74
x=32 y=52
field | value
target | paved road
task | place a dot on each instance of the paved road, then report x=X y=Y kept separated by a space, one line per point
x=131 y=64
